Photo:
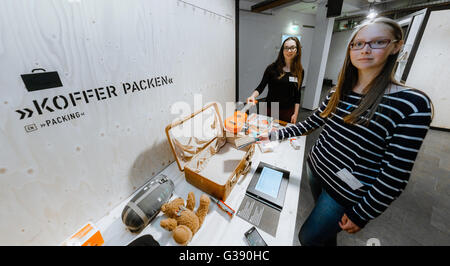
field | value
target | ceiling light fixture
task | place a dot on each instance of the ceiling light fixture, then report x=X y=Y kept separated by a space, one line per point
x=294 y=28
x=372 y=14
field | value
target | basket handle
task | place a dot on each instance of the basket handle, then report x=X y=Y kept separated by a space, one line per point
x=240 y=173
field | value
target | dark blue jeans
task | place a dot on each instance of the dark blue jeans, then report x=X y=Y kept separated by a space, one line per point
x=322 y=225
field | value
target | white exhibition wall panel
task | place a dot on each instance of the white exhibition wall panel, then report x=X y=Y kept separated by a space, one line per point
x=407 y=47
x=336 y=54
x=429 y=71
x=71 y=153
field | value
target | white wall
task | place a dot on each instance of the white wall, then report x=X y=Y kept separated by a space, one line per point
x=260 y=41
x=58 y=177
x=430 y=71
x=336 y=54
x=319 y=56
x=409 y=42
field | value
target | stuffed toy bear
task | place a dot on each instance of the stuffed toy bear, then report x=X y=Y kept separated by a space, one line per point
x=182 y=221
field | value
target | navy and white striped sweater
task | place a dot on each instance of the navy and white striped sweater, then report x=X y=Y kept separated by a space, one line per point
x=380 y=155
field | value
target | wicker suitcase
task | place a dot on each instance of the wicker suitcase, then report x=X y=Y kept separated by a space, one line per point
x=201 y=150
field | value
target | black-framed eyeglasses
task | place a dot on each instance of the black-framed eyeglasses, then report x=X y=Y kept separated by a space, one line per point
x=289 y=49
x=375 y=44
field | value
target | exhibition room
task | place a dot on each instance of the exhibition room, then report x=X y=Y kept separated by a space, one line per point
x=224 y=123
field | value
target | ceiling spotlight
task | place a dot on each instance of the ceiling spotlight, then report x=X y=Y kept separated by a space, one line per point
x=372 y=14
x=294 y=28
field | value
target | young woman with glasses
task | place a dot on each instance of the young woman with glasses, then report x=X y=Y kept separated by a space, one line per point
x=372 y=130
x=284 y=78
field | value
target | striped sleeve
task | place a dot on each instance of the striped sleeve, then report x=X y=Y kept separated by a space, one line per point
x=398 y=161
x=301 y=128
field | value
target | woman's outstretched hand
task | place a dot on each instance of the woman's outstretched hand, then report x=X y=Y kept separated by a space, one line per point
x=251 y=99
x=264 y=137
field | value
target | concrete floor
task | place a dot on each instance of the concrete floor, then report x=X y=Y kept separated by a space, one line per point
x=419 y=217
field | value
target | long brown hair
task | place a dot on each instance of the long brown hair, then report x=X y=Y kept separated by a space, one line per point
x=348 y=76
x=296 y=67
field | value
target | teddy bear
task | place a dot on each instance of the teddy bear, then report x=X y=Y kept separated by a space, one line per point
x=183 y=221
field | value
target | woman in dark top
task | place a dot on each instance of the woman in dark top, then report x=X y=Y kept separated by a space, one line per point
x=284 y=78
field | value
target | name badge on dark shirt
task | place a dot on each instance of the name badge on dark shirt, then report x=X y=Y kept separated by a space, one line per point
x=293 y=79
x=349 y=179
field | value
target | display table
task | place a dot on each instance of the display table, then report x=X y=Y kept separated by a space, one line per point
x=218 y=228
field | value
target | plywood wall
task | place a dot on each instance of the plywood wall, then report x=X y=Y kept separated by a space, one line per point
x=429 y=71
x=70 y=154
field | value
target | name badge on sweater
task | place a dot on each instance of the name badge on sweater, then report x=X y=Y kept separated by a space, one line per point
x=293 y=79
x=349 y=179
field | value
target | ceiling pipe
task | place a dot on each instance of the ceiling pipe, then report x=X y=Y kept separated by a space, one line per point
x=269 y=4
x=412 y=8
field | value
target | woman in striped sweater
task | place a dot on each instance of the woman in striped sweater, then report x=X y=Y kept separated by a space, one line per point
x=373 y=128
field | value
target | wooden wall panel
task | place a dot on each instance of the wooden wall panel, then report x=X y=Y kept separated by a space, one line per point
x=72 y=164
